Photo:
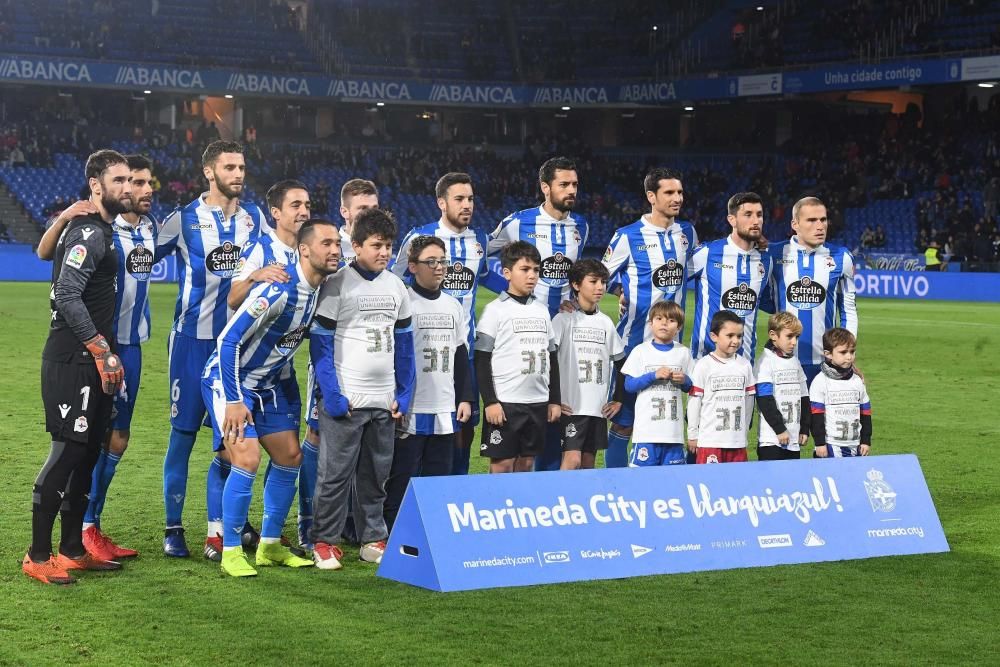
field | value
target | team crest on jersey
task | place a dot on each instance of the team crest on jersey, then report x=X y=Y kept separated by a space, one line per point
x=139 y=263
x=258 y=307
x=880 y=494
x=76 y=255
x=223 y=260
x=495 y=438
x=760 y=269
x=684 y=242
x=458 y=279
x=830 y=262
x=576 y=236
x=642 y=454
x=81 y=425
x=712 y=458
x=571 y=431
x=479 y=249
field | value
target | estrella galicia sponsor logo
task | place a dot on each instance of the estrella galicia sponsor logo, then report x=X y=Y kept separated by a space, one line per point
x=774 y=541
x=291 y=340
x=602 y=553
x=805 y=293
x=669 y=277
x=223 y=260
x=741 y=299
x=139 y=263
x=458 y=280
x=555 y=269
x=550 y=557
x=880 y=494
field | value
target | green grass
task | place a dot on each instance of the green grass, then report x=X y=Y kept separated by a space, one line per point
x=933 y=372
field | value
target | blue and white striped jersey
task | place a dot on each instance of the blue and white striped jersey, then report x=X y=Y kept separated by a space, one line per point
x=266 y=250
x=467 y=252
x=208 y=248
x=650 y=262
x=136 y=246
x=257 y=344
x=560 y=243
x=817 y=286
x=726 y=278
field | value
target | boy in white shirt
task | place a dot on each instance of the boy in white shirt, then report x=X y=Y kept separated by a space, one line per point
x=721 y=396
x=590 y=356
x=841 y=408
x=656 y=371
x=442 y=400
x=782 y=394
x=517 y=366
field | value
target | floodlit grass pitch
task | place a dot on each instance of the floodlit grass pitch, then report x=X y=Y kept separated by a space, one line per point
x=933 y=371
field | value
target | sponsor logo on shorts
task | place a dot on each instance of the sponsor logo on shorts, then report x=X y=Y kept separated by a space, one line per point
x=555 y=556
x=774 y=541
x=63 y=410
x=76 y=255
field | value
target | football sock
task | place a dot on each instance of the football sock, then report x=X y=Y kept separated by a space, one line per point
x=74 y=503
x=91 y=517
x=218 y=472
x=279 y=491
x=616 y=455
x=175 y=474
x=307 y=486
x=48 y=493
x=104 y=472
x=236 y=498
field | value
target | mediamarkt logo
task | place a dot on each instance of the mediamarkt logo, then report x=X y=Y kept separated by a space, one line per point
x=472 y=94
x=132 y=75
x=45 y=70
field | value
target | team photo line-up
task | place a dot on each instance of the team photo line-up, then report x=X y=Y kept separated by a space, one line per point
x=398 y=360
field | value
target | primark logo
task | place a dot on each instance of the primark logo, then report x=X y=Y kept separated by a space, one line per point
x=472 y=94
x=168 y=77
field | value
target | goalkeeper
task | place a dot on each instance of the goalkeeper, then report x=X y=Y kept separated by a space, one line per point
x=80 y=373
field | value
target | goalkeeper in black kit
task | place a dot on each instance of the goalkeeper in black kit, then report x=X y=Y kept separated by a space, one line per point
x=80 y=374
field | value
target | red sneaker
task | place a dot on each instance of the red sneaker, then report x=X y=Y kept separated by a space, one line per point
x=96 y=544
x=213 y=548
x=117 y=551
x=327 y=556
x=87 y=562
x=48 y=572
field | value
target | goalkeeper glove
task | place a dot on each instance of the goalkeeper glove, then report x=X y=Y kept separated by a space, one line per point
x=109 y=366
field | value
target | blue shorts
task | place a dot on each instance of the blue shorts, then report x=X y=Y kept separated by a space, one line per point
x=626 y=416
x=121 y=413
x=646 y=454
x=273 y=410
x=187 y=357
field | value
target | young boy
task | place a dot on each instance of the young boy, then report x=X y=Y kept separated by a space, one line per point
x=517 y=366
x=656 y=371
x=721 y=396
x=362 y=349
x=782 y=394
x=590 y=357
x=841 y=409
x=442 y=401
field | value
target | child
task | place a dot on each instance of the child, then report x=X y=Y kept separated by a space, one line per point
x=841 y=409
x=361 y=346
x=657 y=372
x=442 y=401
x=782 y=394
x=590 y=355
x=721 y=396
x=517 y=366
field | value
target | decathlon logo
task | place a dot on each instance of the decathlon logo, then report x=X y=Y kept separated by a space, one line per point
x=774 y=541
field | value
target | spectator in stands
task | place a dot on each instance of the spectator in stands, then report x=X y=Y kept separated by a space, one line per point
x=991 y=199
x=867 y=238
x=879 y=240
